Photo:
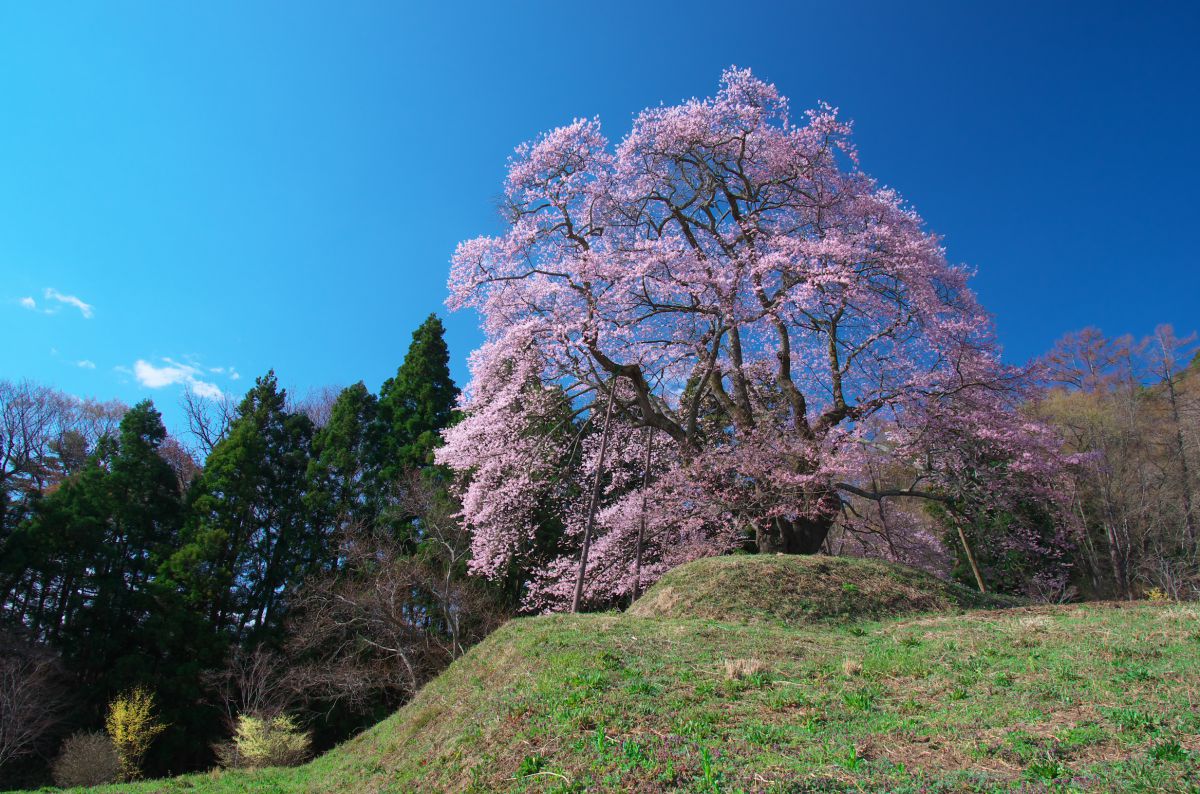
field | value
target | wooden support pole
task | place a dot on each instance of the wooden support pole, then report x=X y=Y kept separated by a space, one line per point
x=591 y=518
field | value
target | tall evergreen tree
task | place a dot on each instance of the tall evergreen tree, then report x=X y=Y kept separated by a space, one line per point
x=344 y=473
x=249 y=539
x=418 y=403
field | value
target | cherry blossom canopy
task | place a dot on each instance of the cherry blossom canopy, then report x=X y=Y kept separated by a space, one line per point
x=768 y=316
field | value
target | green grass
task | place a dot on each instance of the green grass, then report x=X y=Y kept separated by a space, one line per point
x=1020 y=699
x=802 y=589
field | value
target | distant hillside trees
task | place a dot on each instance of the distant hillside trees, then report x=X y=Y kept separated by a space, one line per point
x=1131 y=409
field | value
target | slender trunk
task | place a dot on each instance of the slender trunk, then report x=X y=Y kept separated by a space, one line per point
x=1089 y=548
x=41 y=605
x=1116 y=558
x=883 y=520
x=970 y=557
x=1118 y=555
x=591 y=518
x=1189 y=520
x=637 y=561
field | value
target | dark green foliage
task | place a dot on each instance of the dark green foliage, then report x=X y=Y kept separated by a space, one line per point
x=135 y=582
x=249 y=540
x=346 y=486
x=92 y=546
x=416 y=404
x=1020 y=551
x=91 y=553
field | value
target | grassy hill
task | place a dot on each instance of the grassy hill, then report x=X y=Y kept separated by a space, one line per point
x=791 y=589
x=792 y=675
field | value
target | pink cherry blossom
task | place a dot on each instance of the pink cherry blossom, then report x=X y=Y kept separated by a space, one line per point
x=772 y=314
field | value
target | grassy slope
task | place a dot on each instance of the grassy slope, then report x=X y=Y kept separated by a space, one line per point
x=1099 y=696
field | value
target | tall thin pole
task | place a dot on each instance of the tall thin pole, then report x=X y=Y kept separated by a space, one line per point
x=637 y=562
x=591 y=519
x=970 y=557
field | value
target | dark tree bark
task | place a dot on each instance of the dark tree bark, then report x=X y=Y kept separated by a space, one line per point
x=803 y=534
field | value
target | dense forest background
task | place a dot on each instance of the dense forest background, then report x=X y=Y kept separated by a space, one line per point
x=304 y=556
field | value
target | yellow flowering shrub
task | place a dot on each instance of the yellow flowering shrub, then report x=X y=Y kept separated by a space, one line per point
x=259 y=742
x=132 y=726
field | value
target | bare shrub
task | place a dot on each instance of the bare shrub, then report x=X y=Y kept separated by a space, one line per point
x=87 y=758
x=259 y=681
x=390 y=620
x=32 y=696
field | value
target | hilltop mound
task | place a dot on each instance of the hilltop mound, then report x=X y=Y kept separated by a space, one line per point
x=788 y=588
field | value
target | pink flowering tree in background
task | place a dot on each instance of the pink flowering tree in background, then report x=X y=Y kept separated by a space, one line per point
x=772 y=321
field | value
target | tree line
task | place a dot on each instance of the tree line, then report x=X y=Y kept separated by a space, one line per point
x=305 y=560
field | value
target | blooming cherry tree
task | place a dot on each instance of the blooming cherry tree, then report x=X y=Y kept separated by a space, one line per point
x=770 y=313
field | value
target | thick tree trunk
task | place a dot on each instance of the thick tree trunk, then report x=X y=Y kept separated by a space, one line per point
x=803 y=535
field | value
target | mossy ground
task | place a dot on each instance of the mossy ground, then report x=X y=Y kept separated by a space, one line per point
x=1102 y=697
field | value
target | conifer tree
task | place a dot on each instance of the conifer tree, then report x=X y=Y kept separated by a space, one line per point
x=344 y=472
x=418 y=403
x=248 y=537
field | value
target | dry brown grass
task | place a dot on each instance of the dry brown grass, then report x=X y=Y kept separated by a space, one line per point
x=738 y=669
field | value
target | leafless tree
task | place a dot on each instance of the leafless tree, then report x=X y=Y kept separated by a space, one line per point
x=257 y=682
x=1130 y=408
x=32 y=696
x=208 y=419
x=388 y=620
x=30 y=418
x=317 y=404
x=94 y=419
x=445 y=549
x=1168 y=353
x=180 y=459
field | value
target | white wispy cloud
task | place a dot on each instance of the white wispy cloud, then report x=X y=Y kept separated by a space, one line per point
x=28 y=303
x=70 y=300
x=85 y=364
x=171 y=373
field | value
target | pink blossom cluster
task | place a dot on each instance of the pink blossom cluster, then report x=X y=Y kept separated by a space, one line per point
x=766 y=311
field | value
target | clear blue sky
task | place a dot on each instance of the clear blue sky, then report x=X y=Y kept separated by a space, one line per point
x=256 y=185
